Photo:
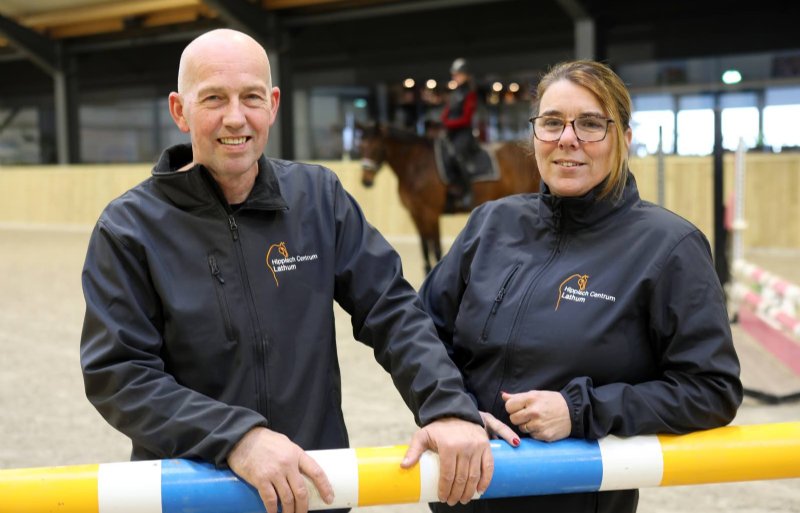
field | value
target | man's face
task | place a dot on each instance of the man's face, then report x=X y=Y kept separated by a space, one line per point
x=227 y=107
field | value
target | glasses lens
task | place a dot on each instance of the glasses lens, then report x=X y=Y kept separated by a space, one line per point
x=591 y=129
x=547 y=128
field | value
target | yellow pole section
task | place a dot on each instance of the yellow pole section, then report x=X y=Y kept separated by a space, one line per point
x=382 y=481
x=71 y=489
x=733 y=453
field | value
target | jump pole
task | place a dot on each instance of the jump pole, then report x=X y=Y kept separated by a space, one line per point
x=372 y=476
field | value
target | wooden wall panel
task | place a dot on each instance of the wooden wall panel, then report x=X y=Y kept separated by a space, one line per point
x=77 y=194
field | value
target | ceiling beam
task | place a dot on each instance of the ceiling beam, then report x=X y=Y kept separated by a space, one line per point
x=374 y=11
x=92 y=13
x=244 y=16
x=33 y=45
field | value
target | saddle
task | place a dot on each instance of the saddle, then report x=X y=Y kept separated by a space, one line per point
x=479 y=166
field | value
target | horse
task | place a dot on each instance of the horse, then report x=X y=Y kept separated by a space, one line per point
x=422 y=191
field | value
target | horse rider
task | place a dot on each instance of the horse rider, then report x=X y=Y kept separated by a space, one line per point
x=457 y=121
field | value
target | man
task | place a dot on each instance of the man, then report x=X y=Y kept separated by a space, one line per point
x=209 y=287
x=457 y=120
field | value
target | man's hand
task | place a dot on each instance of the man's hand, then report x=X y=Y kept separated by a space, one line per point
x=465 y=459
x=275 y=466
x=542 y=414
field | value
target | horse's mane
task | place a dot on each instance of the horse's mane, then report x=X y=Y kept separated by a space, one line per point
x=400 y=135
x=406 y=136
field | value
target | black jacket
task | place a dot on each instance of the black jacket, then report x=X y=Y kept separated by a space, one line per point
x=202 y=323
x=615 y=305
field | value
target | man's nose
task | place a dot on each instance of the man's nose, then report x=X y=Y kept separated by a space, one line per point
x=234 y=114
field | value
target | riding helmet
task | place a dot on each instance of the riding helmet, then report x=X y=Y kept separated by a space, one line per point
x=459 y=66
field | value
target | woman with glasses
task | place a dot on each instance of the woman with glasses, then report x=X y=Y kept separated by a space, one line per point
x=584 y=311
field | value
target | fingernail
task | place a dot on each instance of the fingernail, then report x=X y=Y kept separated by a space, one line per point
x=515 y=442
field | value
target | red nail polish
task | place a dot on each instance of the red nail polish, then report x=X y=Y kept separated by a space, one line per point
x=515 y=442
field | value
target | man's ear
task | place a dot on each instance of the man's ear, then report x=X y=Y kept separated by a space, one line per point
x=177 y=112
x=274 y=103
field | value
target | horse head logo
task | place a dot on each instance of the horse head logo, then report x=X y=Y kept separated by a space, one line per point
x=583 y=280
x=281 y=247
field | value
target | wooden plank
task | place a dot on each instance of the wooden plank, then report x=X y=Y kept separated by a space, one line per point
x=289 y=4
x=91 y=13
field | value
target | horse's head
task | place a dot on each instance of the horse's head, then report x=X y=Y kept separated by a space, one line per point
x=373 y=153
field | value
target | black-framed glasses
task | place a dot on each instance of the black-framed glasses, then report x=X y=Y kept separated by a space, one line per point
x=587 y=129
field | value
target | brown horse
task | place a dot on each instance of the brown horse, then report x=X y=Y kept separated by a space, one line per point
x=422 y=191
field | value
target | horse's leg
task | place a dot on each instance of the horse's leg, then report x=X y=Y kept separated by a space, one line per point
x=427 y=224
x=425 y=254
x=436 y=241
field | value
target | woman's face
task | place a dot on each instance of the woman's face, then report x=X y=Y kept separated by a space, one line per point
x=569 y=166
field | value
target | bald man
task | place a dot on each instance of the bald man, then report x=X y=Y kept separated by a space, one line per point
x=209 y=288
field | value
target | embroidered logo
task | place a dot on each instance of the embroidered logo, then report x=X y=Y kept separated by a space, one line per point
x=283 y=262
x=567 y=292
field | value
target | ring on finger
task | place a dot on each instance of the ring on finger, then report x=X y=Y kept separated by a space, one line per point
x=524 y=428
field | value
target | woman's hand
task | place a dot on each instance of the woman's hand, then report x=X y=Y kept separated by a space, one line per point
x=497 y=429
x=542 y=414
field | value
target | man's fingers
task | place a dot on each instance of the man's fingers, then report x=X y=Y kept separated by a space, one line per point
x=285 y=496
x=310 y=468
x=447 y=473
x=459 y=482
x=270 y=499
x=299 y=492
x=473 y=476
x=487 y=468
x=419 y=444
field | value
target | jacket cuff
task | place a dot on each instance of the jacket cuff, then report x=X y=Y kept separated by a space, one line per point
x=465 y=407
x=576 y=403
x=221 y=459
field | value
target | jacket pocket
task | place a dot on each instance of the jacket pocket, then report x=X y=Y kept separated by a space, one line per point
x=498 y=299
x=222 y=298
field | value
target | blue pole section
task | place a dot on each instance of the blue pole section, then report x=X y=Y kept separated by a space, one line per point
x=540 y=468
x=193 y=487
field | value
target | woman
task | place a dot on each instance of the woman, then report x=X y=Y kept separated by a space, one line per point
x=584 y=311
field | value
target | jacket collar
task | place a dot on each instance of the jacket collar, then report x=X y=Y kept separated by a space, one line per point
x=574 y=213
x=196 y=189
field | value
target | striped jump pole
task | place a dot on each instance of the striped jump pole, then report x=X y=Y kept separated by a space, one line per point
x=768 y=308
x=372 y=476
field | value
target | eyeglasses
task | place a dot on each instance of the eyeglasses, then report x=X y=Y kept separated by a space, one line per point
x=587 y=129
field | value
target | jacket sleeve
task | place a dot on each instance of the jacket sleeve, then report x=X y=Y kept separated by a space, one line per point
x=443 y=289
x=465 y=120
x=124 y=374
x=698 y=385
x=387 y=316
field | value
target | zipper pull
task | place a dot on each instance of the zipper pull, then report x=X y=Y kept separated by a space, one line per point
x=498 y=299
x=212 y=263
x=234 y=227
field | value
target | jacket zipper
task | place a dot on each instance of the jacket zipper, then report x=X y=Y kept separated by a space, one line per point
x=496 y=304
x=233 y=227
x=259 y=339
x=526 y=298
x=221 y=297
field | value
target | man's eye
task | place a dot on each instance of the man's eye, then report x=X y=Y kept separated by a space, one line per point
x=553 y=123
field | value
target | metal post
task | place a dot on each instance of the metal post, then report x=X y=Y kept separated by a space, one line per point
x=739 y=223
x=720 y=235
x=660 y=167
